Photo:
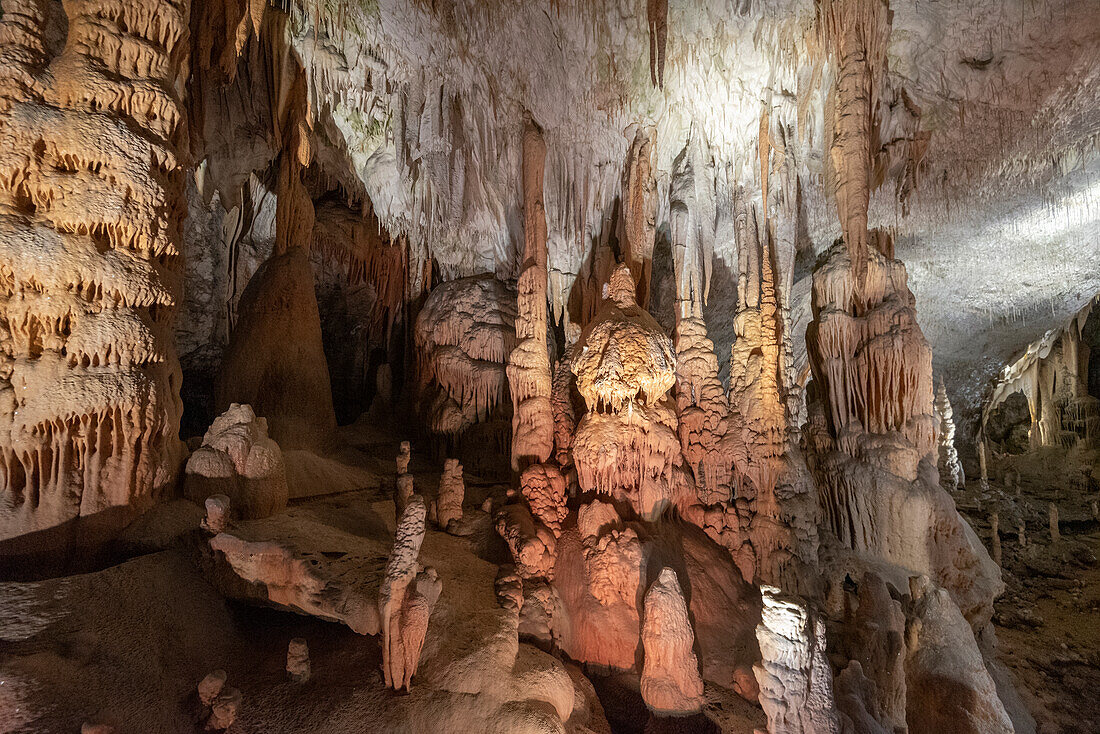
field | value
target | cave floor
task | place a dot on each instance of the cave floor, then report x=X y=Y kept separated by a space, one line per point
x=1048 y=619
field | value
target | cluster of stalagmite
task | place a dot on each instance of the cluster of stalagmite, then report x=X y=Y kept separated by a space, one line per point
x=406 y=598
x=238 y=460
x=90 y=214
x=529 y=362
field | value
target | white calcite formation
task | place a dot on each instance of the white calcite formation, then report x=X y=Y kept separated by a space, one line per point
x=796 y=680
x=238 y=460
x=671 y=683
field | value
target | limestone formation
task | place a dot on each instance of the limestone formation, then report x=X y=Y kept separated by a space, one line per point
x=670 y=675
x=796 y=681
x=275 y=361
x=995 y=535
x=1052 y=513
x=452 y=491
x=223 y=709
x=297 y=660
x=529 y=362
x=217 y=513
x=404 y=456
x=626 y=444
x=405 y=599
x=872 y=433
x=464 y=334
x=543 y=488
x=210 y=686
x=638 y=225
x=238 y=460
x=92 y=140
x=404 y=489
x=951 y=471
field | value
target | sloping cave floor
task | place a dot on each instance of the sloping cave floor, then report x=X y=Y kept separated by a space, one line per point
x=127 y=643
x=1048 y=619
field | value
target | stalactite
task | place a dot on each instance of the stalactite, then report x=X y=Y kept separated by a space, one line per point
x=657 y=15
x=91 y=186
x=638 y=225
x=855 y=32
x=529 y=363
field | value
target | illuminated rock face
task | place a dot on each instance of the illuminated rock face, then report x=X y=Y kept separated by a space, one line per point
x=626 y=445
x=90 y=212
x=796 y=681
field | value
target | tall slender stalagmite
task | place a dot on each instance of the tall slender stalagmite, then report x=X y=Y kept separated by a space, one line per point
x=529 y=363
x=90 y=214
x=855 y=32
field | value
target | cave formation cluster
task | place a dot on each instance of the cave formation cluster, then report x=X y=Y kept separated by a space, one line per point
x=560 y=370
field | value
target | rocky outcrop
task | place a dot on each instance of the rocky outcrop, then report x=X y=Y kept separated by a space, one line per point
x=238 y=460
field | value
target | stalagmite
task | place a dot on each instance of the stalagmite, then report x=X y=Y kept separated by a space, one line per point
x=238 y=459
x=217 y=514
x=670 y=674
x=543 y=487
x=796 y=681
x=529 y=363
x=404 y=456
x=210 y=686
x=404 y=488
x=405 y=598
x=1021 y=534
x=91 y=206
x=452 y=491
x=297 y=660
x=951 y=471
x=1055 y=534
x=223 y=710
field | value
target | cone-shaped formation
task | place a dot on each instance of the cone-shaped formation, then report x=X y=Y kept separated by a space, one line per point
x=671 y=683
x=276 y=359
x=452 y=492
x=90 y=214
x=529 y=363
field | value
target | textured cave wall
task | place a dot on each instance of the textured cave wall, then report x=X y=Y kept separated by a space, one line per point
x=91 y=139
